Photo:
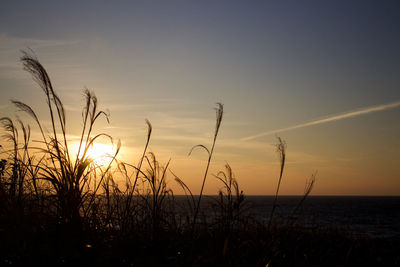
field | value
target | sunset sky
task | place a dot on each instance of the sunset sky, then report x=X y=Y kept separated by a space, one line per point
x=324 y=76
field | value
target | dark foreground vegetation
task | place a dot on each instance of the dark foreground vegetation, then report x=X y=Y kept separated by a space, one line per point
x=60 y=209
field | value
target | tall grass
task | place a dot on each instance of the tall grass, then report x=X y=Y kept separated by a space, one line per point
x=281 y=150
x=155 y=177
x=219 y=114
x=230 y=201
x=307 y=190
x=190 y=198
x=131 y=187
x=69 y=175
x=20 y=170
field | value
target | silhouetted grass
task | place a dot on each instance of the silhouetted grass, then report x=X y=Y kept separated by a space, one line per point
x=61 y=209
x=219 y=114
x=281 y=149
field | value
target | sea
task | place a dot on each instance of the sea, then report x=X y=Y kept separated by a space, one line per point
x=374 y=216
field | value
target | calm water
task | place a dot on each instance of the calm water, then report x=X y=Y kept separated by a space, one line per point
x=376 y=216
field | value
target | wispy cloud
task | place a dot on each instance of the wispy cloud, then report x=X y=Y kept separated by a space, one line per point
x=10 y=67
x=9 y=43
x=330 y=118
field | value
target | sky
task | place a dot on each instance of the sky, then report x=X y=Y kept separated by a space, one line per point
x=321 y=75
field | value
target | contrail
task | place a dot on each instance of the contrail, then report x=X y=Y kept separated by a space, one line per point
x=337 y=117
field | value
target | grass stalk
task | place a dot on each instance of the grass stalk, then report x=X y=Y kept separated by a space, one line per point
x=281 y=150
x=219 y=114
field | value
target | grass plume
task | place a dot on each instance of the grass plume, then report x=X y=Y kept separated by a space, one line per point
x=281 y=150
x=219 y=114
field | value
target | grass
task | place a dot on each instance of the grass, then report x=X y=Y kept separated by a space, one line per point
x=281 y=149
x=57 y=208
x=219 y=114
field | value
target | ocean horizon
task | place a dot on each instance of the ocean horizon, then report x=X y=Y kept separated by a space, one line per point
x=376 y=216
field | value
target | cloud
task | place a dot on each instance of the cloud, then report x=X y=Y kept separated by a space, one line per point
x=11 y=43
x=10 y=46
x=330 y=118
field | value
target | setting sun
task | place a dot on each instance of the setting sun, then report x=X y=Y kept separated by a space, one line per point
x=101 y=154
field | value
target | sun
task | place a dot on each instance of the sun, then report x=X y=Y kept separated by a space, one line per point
x=101 y=154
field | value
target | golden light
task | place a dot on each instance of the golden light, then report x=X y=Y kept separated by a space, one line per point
x=101 y=154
